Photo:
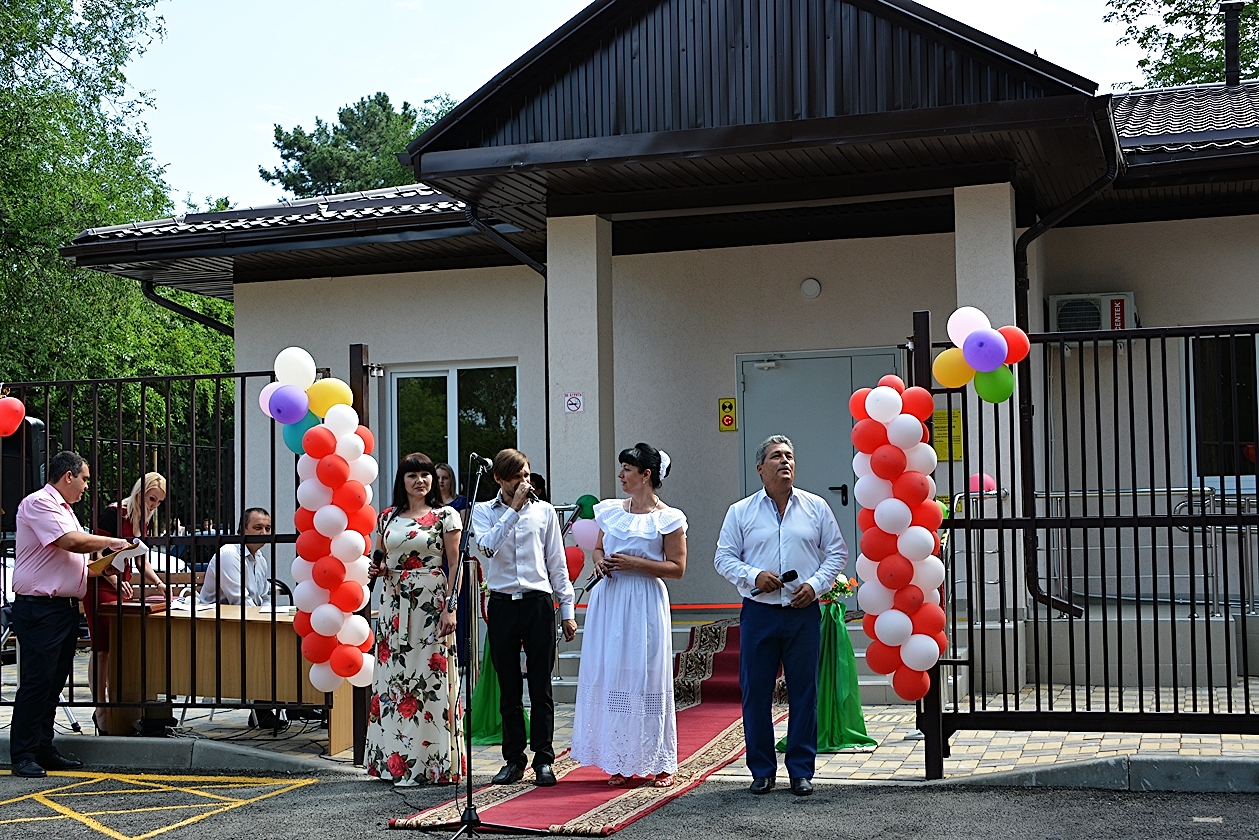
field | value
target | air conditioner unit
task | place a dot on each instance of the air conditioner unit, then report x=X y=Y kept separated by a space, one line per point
x=1088 y=313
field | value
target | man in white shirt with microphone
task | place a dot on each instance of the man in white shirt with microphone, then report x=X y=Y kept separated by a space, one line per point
x=782 y=548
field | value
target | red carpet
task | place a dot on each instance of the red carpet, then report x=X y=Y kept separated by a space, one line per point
x=710 y=736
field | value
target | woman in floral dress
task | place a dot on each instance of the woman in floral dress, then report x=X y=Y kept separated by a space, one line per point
x=415 y=720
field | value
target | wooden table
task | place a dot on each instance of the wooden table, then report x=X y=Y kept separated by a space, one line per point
x=232 y=661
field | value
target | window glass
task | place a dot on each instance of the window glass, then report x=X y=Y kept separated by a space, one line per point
x=421 y=405
x=1224 y=396
x=487 y=418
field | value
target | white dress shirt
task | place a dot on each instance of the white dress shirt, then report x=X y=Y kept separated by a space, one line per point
x=523 y=551
x=223 y=575
x=754 y=539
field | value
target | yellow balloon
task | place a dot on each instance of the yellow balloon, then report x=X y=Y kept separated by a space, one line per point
x=950 y=370
x=326 y=393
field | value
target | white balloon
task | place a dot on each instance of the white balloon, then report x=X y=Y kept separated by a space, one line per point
x=867 y=569
x=341 y=419
x=919 y=652
x=916 y=543
x=928 y=574
x=350 y=447
x=294 y=366
x=964 y=321
x=308 y=595
x=905 y=431
x=357 y=570
x=330 y=521
x=301 y=570
x=364 y=676
x=362 y=601
x=874 y=597
x=313 y=495
x=364 y=470
x=931 y=596
x=371 y=495
x=893 y=628
x=883 y=403
x=323 y=678
x=861 y=465
x=586 y=534
x=921 y=458
x=348 y=546
x=931 y=483
x=306 y=467
x=327 y=619
x=891 y=515
x=870 y=490
x=354 y=632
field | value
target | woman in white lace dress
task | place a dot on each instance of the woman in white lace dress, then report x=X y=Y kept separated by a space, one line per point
x=625 y=722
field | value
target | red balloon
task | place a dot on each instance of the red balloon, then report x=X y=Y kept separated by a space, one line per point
x=865 y=519
x=942 y=641
x=303 y=519
x=911 y=487
x=1016 y=342
x=883 y=659
x=13 y=412
x=894 y=382
x=877 y=544
x=329 y=572
x=926 y=434
x=895 y=572
x=332 y=471
x=935 y=549
x=888 y=461
x=576 y=558
x=857 y=403
x=868 y=435
x=928 y=515
x=350 y=496
x=867 y=624
x=908 y=599
x=369 y=439
x=301 y=624
x=918 y=402
x=319 y=442
x=911 y=685
x=317 y=648
x=346 y=660
x=312 y=545
x=348 y=597
x=363 y=520
x=928 y=620
x=367 y=646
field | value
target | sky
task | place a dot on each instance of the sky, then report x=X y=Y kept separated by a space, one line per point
x=229 y=70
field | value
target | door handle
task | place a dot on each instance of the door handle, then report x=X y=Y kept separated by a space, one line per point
x=842 y=490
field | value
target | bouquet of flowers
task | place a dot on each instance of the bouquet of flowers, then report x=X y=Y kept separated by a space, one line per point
x=844 y=587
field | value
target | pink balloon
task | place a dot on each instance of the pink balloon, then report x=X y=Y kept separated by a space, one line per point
x=984 y=482
x=586 y=533
x=264 y=399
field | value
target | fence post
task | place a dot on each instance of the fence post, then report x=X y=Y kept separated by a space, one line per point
x=360 y=387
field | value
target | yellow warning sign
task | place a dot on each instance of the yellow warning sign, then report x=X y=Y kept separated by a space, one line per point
x=727 y=409
x=946 y=434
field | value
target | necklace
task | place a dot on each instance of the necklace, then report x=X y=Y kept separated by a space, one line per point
x=650 y=508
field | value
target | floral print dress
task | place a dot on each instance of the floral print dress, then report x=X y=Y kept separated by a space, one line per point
x=414 y=724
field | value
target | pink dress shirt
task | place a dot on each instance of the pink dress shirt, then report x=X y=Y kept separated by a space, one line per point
x=40 y=568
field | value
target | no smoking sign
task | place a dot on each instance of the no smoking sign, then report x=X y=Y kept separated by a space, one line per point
x=574 y=401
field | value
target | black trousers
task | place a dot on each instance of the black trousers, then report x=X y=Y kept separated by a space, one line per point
x=47 y=631
x=529 y=622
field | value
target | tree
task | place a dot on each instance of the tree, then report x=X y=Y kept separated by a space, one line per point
x=1183 y=40
x=359 y=152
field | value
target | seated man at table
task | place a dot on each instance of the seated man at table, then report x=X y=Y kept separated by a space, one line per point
x=231 y=579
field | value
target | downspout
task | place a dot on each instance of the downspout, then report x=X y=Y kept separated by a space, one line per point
x=1103 y=120
x=150 y=292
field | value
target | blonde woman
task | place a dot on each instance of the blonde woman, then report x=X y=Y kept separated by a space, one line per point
x=135 y=517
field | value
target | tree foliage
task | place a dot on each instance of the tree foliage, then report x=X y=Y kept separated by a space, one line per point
x=74 y=155
x=358 y=152
x=1183 y=40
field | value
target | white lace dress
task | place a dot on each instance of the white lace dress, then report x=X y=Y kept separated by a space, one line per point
x=625 y=721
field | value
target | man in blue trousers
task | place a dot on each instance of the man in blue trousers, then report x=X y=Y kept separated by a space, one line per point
x=782 y=548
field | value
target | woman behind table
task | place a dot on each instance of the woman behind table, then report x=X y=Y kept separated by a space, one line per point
x=135 y=517
x=414 y=719
x=448 y=485
x=625 y=721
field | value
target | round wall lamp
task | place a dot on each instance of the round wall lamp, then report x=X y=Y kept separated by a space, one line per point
x=810 y=288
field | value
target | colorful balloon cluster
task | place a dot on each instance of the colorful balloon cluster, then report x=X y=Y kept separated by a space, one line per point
x=982 y=354
x=12 y=413
x=333 y=520
x=584 y=529
x=899 y=517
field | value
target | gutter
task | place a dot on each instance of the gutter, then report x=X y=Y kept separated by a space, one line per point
x=150 y=292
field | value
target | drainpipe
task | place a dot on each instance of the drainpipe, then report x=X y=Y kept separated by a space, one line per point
x=1232 y=11
x=150 y=292
x=1103 y=121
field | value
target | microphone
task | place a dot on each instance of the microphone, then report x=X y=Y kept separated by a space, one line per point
x=482 y=462
x=590 y=584
x=788 y=577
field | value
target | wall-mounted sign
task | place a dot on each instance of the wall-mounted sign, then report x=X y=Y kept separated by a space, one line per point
x=726 y=410
x=574 y=401
x=943 y=436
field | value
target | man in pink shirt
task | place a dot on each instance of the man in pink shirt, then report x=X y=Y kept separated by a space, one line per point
x=49 y=577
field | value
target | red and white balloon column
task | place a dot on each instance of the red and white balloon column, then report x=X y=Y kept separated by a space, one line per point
x=334 y=519
x=899 y=518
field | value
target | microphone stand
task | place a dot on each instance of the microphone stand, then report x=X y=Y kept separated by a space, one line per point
x=470 y=823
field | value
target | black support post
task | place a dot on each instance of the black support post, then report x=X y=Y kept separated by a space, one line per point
x=360 y=385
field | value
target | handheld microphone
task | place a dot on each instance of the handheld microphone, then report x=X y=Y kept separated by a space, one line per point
x=482 y=462
x=788 y=577
x=590 y=584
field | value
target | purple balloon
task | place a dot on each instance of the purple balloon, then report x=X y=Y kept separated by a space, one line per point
x=985 y=350
x=289 y=404
x=264 y=399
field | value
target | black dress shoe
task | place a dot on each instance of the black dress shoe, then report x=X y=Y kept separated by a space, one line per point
x=762 y=785
x=509 y=775
x=544 y=776
x=802 y=787
x=29 y=769
x=57 y=761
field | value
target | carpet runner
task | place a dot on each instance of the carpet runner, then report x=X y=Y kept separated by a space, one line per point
x=710 y=736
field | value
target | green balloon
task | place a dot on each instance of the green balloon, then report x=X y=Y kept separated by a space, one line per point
x=586 y=506
x=294 y=431
x=944 y=509
x=995 y=386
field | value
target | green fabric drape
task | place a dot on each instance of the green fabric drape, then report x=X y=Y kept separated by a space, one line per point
x=486 y=722
x=841 y=724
